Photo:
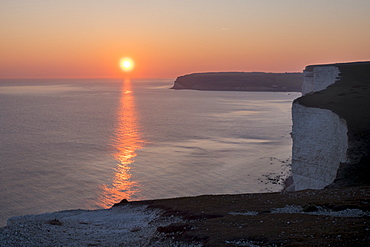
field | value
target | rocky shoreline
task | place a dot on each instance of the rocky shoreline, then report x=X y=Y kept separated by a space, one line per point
x=328 y=217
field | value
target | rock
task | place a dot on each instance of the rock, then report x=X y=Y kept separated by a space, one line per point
x=55 y=222
x=121 y=203
x=309 y=208
x=135 y=229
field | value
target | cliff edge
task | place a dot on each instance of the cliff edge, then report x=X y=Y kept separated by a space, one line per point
x=331 y=127
x=240 y=81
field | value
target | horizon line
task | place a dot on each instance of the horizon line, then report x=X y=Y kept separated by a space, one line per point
x=107 y=77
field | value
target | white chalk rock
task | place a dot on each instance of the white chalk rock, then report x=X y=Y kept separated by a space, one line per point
x=319 y=78
x=320 y=144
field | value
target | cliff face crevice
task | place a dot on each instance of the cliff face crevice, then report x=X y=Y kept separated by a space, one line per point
x=331 y=127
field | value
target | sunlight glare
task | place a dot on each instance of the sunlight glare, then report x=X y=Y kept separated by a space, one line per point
x=126 y=142
x=126 y=64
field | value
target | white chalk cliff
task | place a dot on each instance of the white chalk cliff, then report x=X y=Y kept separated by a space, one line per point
x=320 y=139
x=319 y=78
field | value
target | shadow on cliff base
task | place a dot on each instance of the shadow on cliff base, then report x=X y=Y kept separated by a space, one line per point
x=353 y=175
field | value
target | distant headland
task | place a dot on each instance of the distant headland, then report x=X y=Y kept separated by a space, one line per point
x=241 y=81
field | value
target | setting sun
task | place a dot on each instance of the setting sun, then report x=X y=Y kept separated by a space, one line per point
x=126 y=64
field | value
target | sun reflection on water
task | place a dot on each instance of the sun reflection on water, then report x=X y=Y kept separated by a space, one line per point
x=126 y=141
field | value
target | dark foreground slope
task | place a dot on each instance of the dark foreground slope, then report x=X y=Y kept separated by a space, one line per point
x=329 y=217
x=241 y=81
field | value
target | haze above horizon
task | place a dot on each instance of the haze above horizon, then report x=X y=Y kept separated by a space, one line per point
x=65 y=39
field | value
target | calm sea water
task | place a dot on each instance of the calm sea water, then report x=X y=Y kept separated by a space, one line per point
x=67 y=144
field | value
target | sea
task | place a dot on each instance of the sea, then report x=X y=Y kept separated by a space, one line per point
x=89 y=143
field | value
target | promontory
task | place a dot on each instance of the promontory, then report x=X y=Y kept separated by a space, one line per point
x=241 y=81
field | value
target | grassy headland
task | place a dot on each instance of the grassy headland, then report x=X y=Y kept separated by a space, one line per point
x=241 y=81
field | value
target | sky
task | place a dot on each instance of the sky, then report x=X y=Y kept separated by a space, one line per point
x=168 y=38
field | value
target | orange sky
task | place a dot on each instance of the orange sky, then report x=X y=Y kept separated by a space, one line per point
x=168 y=38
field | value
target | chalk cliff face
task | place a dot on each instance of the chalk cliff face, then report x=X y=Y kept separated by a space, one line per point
x=318 y=78
x=319 y=135
x=319 y=145
x=331 y=127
